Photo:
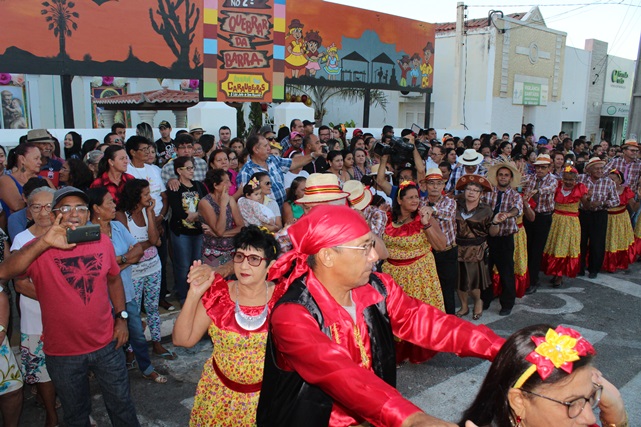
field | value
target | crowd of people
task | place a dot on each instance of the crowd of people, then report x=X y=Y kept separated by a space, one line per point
x=272 y=238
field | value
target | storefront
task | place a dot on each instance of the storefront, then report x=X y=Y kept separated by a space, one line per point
x=616 y=99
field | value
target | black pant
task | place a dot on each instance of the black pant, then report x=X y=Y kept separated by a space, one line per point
x=447 y=269
x=502 y=255
x=537 y=235
x=594 y=225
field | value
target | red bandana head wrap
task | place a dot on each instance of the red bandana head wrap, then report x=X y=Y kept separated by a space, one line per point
x=325 y=226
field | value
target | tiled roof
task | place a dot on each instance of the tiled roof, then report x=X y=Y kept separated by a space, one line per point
x=161 y=96
x=472 y=23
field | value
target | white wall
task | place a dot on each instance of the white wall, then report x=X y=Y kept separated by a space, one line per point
x=443 y=81
x=575 y=84
x=339 y=111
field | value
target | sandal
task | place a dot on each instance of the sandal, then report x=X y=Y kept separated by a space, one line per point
x=460 y=313
x=131 y=365
x=477 y=316
x=156 y=377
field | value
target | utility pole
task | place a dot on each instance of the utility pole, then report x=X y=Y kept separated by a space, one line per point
x=459 y=70
x=634 y=119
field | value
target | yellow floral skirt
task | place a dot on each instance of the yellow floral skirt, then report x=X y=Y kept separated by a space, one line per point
x=563 y=247
x=620 y=249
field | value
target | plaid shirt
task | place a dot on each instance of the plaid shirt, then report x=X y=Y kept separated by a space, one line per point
x=510 y=200
x=114 y=190
x=376 y=219
x=446 y=216
x=200 y=170
x=603 y=190
x=630 y=171
x=458 y=172
x=545 y=196
x=276 y=168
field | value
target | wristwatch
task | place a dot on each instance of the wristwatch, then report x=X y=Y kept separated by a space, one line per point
x=123 y=259
x=122 y=315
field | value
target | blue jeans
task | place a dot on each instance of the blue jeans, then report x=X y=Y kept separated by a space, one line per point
x=186 y=250
x=137 y=338
x=70 y=376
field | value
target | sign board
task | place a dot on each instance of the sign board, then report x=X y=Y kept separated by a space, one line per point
x=619 y=79
x=335 y=45
x=615 y=110
x=243 y=48
x=530 y=91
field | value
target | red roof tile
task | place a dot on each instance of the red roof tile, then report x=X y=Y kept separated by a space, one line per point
x=471 y=23
x=161 y=96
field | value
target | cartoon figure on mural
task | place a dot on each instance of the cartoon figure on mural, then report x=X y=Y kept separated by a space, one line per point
x=313 y=42
x=426 y=68
x=296 y=60
x=415 y=72
x=331 y=58
x=404 y=63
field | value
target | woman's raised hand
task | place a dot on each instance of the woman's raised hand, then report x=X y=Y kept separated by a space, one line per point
x=200 y=277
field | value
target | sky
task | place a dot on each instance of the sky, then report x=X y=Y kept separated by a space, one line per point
x=617 y=22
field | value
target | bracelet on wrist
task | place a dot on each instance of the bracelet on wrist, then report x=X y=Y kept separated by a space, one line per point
x=427 y=226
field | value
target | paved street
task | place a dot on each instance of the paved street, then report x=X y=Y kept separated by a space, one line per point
x=605 y=310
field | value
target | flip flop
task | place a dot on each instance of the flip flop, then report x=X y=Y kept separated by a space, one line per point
x=157 y=378
x=168 y=355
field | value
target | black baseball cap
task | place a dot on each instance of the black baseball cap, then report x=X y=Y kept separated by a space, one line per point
x=164 y=124
x=66 y=192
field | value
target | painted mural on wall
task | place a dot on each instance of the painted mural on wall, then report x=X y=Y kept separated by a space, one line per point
x=331 y=44
x=13 y=97
x=243 y=48
x=141 y=38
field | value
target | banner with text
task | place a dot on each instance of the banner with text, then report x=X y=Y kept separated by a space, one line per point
x=241 y=41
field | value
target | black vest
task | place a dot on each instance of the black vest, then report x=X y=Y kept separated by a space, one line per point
x=286 y=399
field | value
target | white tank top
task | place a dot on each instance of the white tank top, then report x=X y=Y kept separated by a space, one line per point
x=150 y=261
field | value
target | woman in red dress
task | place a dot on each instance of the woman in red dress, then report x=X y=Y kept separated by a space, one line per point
x=562 y=250
x=620 y=249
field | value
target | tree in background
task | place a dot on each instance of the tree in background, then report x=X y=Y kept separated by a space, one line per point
x=177 y=35
x=60 y=17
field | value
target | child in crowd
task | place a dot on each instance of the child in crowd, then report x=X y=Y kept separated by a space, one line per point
x=253 y=210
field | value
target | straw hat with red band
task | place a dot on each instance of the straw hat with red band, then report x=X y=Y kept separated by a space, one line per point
x=630 y=143
x=543 y=160
x=433 y=174
x=473 y=179
x=593 y=162
x=320 y=188
x=360 y=196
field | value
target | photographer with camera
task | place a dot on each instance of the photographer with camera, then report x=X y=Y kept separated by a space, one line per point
x=415 y=171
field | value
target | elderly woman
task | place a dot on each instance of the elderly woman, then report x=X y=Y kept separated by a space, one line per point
x=474 y=224
x=562 y=249
x=544 y=377
x=235 y=316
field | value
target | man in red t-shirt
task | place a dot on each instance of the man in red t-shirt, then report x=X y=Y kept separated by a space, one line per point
x=77 y=285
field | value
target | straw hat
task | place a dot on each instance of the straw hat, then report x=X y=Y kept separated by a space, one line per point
x=470 y=157
x=630 y=143
x=375 y=171
x=39 y=136
x=196 y=129
x=359 y=196
x=592 y=162
x=464 y=180
x=494 y=169
x=433 y=174
x=543 y=159
x=320 y=188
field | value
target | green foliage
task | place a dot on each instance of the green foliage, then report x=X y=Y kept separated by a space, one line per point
x=241 y=127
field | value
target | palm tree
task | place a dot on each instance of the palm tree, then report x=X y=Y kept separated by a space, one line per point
x=61 y=20
x=320 y=96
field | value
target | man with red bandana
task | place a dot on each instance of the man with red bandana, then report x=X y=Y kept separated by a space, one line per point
x=330 y=352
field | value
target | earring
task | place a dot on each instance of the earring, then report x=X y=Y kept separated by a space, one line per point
x=518 y=421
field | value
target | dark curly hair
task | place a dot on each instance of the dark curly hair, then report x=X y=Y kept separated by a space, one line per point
x=131 y=193
x=96 y=197
x=214 y=177
x=80 y=176
x=253 y=237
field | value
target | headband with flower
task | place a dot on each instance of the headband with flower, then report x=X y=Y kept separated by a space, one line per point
x=254 y=183
x=560 y=348
x=570 y=169
x=404 y=184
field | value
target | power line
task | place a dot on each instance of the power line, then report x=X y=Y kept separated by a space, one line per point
x=556 y=5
